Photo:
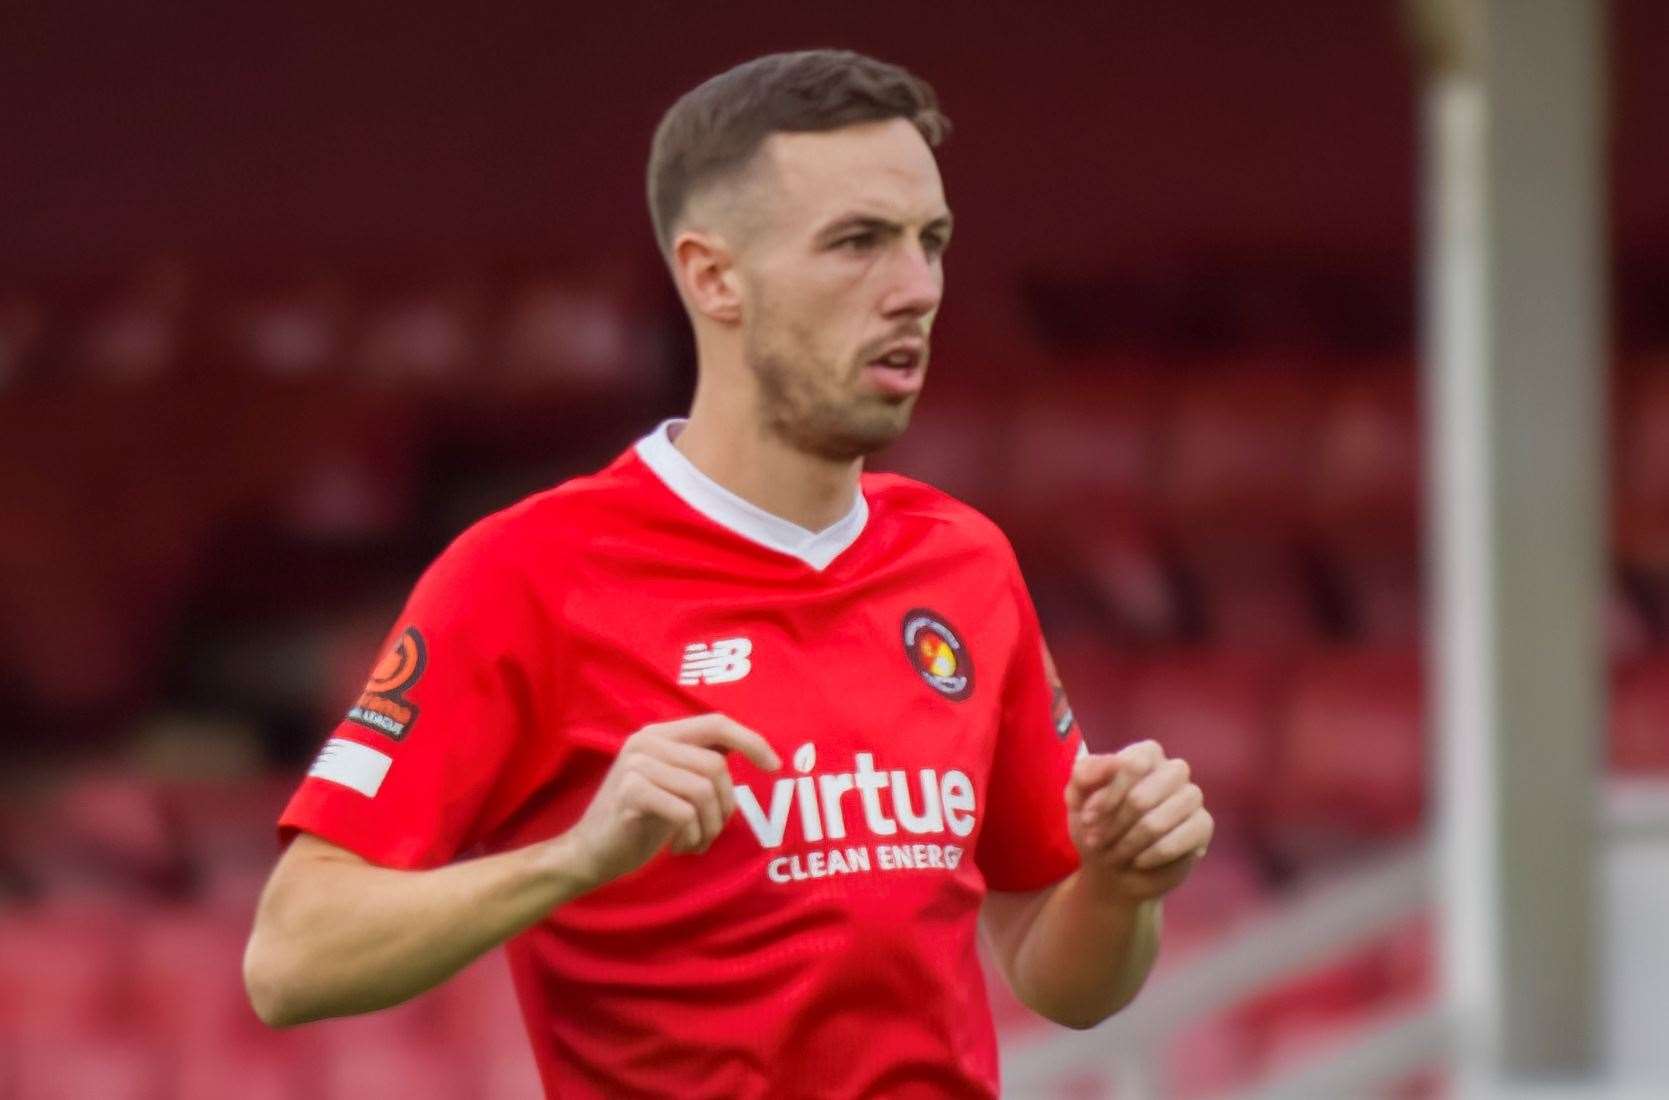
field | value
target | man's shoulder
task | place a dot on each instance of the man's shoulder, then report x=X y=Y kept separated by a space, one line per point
x=906 y=499
x=551 y=523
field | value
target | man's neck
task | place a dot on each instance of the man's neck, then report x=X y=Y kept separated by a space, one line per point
x=768 y=472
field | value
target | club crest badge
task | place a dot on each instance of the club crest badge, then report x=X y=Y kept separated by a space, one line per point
x=937 y=654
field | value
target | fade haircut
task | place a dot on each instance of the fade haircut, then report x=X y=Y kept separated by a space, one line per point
x=716 y=128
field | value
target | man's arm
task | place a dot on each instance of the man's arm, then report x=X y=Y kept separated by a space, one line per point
x=335 y=935
x=1080 y=950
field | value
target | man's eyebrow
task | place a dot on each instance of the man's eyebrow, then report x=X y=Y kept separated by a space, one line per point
x=874 y=223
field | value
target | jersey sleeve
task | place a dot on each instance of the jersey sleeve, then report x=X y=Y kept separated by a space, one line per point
x=1024 y=843
x=405 y=778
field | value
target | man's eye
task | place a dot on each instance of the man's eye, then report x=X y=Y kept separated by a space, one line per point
x=934 y=245
x=857 y=242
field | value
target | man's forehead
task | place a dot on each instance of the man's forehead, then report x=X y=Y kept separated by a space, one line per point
x=885 y=168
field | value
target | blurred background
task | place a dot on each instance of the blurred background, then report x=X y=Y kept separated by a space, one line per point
x=288 y=297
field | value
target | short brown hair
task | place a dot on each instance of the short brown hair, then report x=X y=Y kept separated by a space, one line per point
x=716 y=128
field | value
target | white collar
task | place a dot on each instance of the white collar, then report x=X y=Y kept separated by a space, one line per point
x=816 y=548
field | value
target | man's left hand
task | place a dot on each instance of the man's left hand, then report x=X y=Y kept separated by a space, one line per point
x=1139 y=824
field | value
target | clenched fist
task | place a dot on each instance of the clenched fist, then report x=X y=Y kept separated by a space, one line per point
x=1138 y=823
x=668 y=788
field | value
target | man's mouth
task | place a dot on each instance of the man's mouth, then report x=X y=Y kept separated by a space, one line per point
x=899 y=369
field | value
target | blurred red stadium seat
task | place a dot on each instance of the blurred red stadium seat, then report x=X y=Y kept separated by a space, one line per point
x=1239 y=442
x=1254 y=593
x=217 y=1073
x=576 y=335
x=291 y=332
x=186 y=979
x=100 y=835
x=1129 y=571
x=1641 y=451
x=23 y=322
x=411 y=1068
x=425 y=338
x=1640 y=717
x=1237 y=450
x=59 y=968
x=1365 y=480
x=956 y=443
x=135 y=335
x=86 y=1067
x=1082 y=442
x=1352 y=756
x=477 y=1007
x=1366 y=504
x=1216 y=710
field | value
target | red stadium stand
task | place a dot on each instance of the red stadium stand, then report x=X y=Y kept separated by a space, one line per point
x=73 y=1069
x=1127 y=570
x=1642 y=473
x=101 y=835
x=1082 y=440
x=290 y=333
x=1365 y=503
x=1351 y=763
x=1239 y=440
x=477 y=1006
x=23 y=320
x=426 y=338
x=410 y=1067
x=214 y=1073
x=1366 y=477
x=185 y=984
x=1640 y=717
x=58 y=973
x=1216 y=710
x=135 y=336
x=956 y=443
x=1256 y=592
x=573 y=335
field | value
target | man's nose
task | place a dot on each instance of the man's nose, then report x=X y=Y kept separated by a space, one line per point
x=917 y=284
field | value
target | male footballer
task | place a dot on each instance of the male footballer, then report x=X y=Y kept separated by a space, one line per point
x=732 y=744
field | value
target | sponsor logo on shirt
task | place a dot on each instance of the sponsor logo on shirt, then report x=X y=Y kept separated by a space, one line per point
x=721 y=662
x=937 y=654
x=899 y=811
x=383 y=705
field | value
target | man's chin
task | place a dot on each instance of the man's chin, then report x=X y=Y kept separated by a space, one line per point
x=859 y=436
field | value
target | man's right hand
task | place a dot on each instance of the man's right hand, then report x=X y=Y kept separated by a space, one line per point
x=669 y=786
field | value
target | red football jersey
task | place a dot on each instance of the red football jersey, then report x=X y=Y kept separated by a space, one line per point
x=825 y=945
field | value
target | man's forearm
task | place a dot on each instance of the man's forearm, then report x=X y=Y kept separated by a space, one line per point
x=359 y=937
x=1085 y=954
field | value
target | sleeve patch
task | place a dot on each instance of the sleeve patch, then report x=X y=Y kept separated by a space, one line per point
x=383 y=705
x=1060 y=710
x=352 y=765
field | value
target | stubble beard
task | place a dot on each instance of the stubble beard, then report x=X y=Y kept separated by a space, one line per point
x=812 y=406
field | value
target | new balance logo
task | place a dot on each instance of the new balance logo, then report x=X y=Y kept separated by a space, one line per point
x=720 y=663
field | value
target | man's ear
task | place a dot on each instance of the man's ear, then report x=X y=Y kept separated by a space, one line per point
x=706 y=272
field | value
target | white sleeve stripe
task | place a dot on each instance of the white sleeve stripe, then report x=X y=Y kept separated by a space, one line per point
x=352 y=765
